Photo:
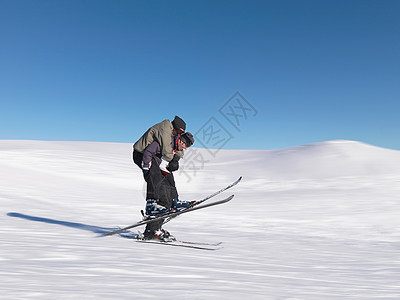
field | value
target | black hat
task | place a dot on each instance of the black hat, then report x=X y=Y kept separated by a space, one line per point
x=187 y=138
x=178 y=123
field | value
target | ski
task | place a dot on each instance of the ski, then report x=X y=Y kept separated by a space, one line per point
x=200 y=243
x=220 y=191
x=166 y=220
x=135 y=236
x=170 y=215
x=181 y=244
x=187 y=209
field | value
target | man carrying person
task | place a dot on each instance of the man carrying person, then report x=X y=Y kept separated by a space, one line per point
x=158 y=159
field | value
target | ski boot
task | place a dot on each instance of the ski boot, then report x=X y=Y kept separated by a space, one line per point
x=154 y=209
x=164 y=236
x=179 y=205
x=161 y=235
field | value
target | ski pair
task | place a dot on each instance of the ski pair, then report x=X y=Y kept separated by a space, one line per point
x=168 y=216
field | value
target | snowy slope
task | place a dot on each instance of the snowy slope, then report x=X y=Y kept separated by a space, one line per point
x=319 y=221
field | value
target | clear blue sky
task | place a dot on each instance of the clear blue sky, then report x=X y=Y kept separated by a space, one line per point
x=101 y=70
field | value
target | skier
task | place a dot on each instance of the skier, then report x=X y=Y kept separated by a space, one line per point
x=162 y=195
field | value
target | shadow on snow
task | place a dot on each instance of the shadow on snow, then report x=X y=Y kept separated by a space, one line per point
x=94 y=229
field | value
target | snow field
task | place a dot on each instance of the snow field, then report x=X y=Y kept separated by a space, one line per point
x=318 y=221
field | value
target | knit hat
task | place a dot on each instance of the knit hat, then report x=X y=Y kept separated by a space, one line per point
x=187 y=138
x=178 y=123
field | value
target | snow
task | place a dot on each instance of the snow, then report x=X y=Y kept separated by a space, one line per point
x=318 y=221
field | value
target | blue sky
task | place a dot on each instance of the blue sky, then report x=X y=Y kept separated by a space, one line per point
x=100 y=70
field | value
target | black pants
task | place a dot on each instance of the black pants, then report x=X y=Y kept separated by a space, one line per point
x=160 y=187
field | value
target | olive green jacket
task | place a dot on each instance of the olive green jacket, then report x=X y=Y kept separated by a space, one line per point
x=161 y=133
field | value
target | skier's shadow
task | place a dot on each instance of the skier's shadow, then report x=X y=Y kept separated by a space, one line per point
x=95 y=229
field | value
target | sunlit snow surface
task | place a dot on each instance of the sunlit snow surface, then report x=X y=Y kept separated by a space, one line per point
x=319 y=221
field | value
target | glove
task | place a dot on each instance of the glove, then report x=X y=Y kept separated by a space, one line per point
x=174 y=163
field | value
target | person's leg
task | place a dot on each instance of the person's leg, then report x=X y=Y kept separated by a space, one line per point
x=152 y=230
